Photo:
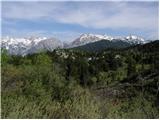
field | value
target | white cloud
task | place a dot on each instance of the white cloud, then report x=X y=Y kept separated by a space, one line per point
x=115 y=15
x=97 y=15
x=27 y=10
x=88 y=14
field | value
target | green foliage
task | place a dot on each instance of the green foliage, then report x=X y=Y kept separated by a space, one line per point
x=76 y=84
x=105 y=78
x=136 y=108
x=42 y=59
x=4 y=57
x=102 y=45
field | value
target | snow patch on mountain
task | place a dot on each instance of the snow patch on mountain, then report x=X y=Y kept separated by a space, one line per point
x=89 y=38
x=23 y=46
x=28 y=45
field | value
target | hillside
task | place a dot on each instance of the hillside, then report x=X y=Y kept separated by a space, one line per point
x=68 y=83
x=102 y=45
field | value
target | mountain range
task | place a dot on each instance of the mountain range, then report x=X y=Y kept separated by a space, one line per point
x=24 y=46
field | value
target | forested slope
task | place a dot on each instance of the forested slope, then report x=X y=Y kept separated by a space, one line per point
x=71 y=83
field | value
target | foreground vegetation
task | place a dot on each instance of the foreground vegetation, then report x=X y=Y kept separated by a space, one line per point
x=78 y=84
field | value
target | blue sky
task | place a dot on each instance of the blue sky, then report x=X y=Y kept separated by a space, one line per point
x=67 y=20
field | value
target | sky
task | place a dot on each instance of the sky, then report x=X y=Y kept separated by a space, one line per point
x=67 y=20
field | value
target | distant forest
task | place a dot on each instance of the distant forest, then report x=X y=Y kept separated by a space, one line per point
x=74 y=83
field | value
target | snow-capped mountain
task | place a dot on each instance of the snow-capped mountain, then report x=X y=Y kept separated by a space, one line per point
x=90 y=38
x=49 y=44
x=23 y=46
x=134 y=39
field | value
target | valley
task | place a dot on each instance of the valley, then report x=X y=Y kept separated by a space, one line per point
x=79 y=59
x=82 y=83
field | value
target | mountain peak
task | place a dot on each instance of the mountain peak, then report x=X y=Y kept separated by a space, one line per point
x=26 y=45
x=87 y=35
x=135 y=39
x=89 y=38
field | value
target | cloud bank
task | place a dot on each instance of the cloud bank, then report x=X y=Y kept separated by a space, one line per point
x=141 y=16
